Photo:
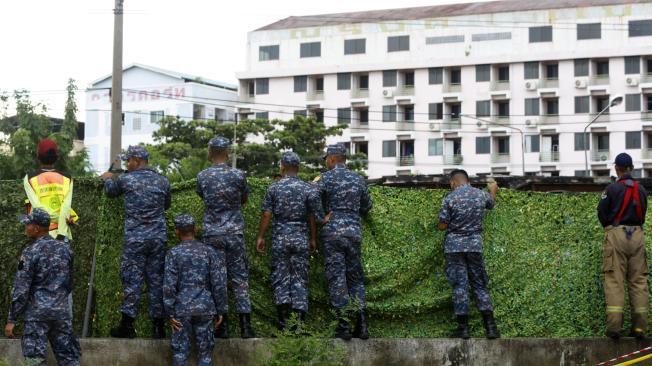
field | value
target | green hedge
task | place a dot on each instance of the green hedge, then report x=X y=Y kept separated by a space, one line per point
x=543 y=254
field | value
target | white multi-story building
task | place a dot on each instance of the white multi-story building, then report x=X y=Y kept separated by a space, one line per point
x=148 y=94
x=490 y=87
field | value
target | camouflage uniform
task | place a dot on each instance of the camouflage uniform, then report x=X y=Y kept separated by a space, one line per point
x=291 y=200
x=41 y=297
x=222 y=188
x=345 y=194
x=194 y=291
x=463 y=210
x=147 y=196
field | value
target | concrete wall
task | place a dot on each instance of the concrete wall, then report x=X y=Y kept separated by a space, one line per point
x=378 y=352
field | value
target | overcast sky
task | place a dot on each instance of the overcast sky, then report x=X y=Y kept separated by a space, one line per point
x=45 y=42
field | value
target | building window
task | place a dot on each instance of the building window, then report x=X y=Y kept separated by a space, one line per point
x=301 y=112
x=479 y=37
x=156 y=116
x=456 y=76
x=363 y=82
x=602 y=104
x=582 y=67
x=531 y=70
x=398 y=43
x=389 y=78
x=389 y=113
x=541 y=34
x=633 y=140
x=262 y=115
x=589 y=31
x=319 y=115
x=319 y=85
x=632 y=102
x=262 y=86
x=503 y=145
x=435 y=147
x=408 y=113
x=482 y=73
x=580 y=139
x=267 y=53
x=639 y=28
x=503 y=109
x=344 y=115
x=602 y=68
x=483 y=108
x=503 y=73
x=408 y=78
x=251 y=88
x=582 y=104
x=445 y=39
x=355 y=46
x=632 y=65
x=435 y=111
x=483 y=145
x=532 y=143
x=532 y=106
x=552 y=71
x=552 y=106
x=300 y=83
x=136 y=123
x=389 y=149
x=344 y=81
x=311 y=49
x=363 y=116
x=435 y=75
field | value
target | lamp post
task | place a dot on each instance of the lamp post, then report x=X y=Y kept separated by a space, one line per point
x=614 y=102
x=506 y=126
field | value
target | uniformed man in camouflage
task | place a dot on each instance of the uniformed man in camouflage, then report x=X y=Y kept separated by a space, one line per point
x=224 y=191
x=345 y=197
x=461 y=216
x=147 y=196
x=194 y=293
x=40 y=295
x=295 y=206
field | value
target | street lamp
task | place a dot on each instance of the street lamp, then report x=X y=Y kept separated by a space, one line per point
x=614 y=102
x=506 y=126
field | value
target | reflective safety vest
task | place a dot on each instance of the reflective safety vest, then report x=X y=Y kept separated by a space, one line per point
x=52 y=191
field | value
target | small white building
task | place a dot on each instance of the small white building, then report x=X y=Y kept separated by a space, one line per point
x=425 y=90
x=148 y=94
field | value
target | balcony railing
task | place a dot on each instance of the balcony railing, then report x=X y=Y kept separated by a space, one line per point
x=359 y=93
x=405 y=125
x=452 y=88
x=549 y=156
x=500 y=158
x=646 y=153
x=359 y=125
x=405 y=160
x=599 y=80
x=600 y=155
x=455 y=159
x=604 y=117
x=403 y=91
x=646 y=116
x=646 y=78
x=500 y=85
x=451 y=123
x=549 y=83
x=247 y=98
x=504 y=120
x=315 y=95
x=549 y=119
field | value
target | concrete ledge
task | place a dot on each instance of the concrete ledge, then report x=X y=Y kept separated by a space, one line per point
x=381 y=351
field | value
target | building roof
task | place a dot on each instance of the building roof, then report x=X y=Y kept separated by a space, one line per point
x=178 y=75
x=438 y=11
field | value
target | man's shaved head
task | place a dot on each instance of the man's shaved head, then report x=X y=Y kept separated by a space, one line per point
x=460 y=176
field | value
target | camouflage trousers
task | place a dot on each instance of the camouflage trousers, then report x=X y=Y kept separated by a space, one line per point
x=143 y=260
x=203 y=328
x=290 y=270
x=461 y=269
x=65 y=344
x=344 y=272
x=231 y=249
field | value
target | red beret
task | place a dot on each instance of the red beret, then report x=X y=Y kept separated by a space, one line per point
x=47 y=147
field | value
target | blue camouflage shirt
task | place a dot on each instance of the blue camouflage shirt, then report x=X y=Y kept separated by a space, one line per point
x=344 y=193
x=147 y=196
x=43 y=282
x=463 y=211
x=222 y=188
x=195 y=281
x=291 y=200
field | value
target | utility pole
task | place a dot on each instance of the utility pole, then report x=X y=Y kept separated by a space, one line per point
x=116 y=87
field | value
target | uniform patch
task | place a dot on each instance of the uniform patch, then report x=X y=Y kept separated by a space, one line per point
x=604 y=195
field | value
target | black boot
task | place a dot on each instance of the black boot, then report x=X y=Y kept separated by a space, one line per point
x=282 y=312
x=615 y=336
x=125 y=329
x=490 y=327
x=361 y=329
x=343 y=329
x=222 y=332
x=245 y=327
x=462 y=330
x=158 y=331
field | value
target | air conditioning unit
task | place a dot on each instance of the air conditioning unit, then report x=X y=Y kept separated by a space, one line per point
x=388 y=93
x=602 y=156
x=581 y=83
x=434 y=126
x=531 y=122
x=481 y=125
x=531 y=85
x=631 y=81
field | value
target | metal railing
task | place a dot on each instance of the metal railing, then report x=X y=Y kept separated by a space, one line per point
x=500 y=158
x=451 y=123
x=646 y=153
x=452 y=88
x=500 y=119
x=406 y=90
x=549 y=156
x=359 y=93
x=549 y=119
x=601 y=118
x=646 y=78
x=600 y=155
x=455 y=159
x=359 y=125
x=500 y=85
x=549 y=83
x=405 y=125
x=646 y=116
x=315 y=95
x=247 y=98
x=405 y=160
x=599 y=80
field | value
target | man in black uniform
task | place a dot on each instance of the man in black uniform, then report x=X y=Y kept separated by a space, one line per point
x=621 y=212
